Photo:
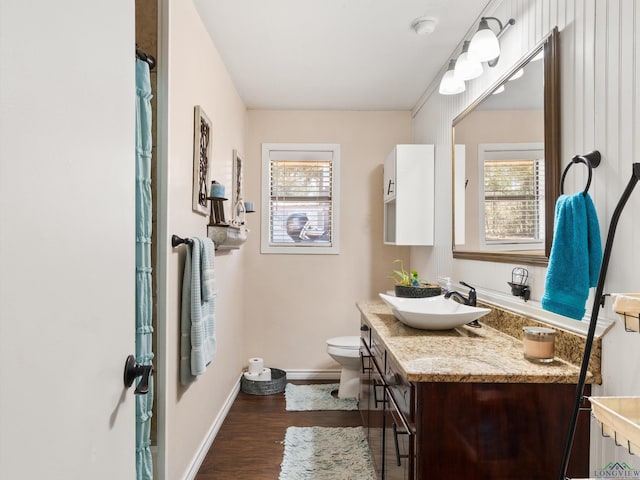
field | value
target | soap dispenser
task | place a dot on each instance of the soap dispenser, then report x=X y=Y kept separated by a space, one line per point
x=447 y=284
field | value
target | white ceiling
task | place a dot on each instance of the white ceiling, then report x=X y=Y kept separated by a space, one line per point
x=335 y=54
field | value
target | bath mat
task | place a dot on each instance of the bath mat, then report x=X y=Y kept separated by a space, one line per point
x=316 y=397
x=326 y=453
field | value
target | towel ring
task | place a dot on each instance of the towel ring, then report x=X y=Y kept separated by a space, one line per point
x=591 y=160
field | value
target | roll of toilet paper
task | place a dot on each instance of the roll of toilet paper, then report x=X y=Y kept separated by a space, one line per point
x=256 y=365
x=263 y=375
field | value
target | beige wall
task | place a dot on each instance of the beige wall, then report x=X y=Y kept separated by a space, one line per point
x=295 y=302
x=196 y=76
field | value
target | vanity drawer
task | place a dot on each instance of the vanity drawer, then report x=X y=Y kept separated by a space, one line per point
x=403 y=392
x=378 y=352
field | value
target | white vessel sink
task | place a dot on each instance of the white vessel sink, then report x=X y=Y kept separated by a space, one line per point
x=432 y=313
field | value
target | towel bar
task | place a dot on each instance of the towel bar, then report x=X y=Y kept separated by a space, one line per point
x=176 y=240
x=591 y=160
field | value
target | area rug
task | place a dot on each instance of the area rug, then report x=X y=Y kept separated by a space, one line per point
x=316 y=397
x=326 y=453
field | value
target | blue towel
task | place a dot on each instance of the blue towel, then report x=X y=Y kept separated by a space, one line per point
x=197 y=322
x=186 y=377
x=208 y=298
x=207 y=258
x=576 y=256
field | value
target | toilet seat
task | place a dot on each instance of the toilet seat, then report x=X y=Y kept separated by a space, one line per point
x=346 y=343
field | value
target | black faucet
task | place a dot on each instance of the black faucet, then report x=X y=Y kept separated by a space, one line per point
x=470 y=300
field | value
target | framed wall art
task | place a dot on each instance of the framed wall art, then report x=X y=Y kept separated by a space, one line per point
x=201 y=159
x=238 y=192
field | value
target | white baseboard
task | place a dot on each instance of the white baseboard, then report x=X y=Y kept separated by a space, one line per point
x=215 y=428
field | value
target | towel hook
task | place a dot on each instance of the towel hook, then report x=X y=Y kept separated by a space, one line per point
x=591 y=160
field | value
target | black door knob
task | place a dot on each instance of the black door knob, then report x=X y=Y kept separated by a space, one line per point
x=133 y=370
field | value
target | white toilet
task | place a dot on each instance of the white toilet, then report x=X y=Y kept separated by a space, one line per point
x=346 y=351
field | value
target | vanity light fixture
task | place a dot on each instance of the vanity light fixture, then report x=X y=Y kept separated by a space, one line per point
x=485 y=46
x=450 y=84
x=466 y=67
x=498 y=90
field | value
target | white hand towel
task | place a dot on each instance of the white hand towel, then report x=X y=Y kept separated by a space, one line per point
x=628 y=303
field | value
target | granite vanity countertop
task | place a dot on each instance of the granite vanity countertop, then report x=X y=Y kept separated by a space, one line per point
x=464 y=354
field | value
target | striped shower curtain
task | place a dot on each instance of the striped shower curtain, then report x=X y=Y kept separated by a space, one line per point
x=144 y=302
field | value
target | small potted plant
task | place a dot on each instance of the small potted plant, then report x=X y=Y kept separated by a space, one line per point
x=409 y=284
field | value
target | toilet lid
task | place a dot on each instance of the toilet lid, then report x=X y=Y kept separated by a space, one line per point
x=345 y=342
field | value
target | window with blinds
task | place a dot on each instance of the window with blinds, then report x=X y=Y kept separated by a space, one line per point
x=300 y=190
x=513 y=195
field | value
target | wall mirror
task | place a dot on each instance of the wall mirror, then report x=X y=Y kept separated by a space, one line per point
x=506 y=164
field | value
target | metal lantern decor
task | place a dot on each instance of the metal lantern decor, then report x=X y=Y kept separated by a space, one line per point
x=518 y=283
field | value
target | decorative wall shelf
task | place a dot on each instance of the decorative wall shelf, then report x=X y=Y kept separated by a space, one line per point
x=619 y=418
x=227 y=237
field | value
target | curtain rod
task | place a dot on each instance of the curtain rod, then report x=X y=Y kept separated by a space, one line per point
x=145 y=58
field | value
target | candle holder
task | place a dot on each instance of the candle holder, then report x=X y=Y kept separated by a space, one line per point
x=216 y=211
x=239 y=213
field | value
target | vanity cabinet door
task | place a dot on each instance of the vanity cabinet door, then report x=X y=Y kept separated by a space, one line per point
x=376 y=421
x=376 y=439
x=485 y=431
x=389 y=183
x=371 y=405
x=364 y=402
x=399 y=441
x=403 y=392
x=409 y=184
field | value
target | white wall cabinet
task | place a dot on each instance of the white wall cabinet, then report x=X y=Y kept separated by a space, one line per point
x=409 y=195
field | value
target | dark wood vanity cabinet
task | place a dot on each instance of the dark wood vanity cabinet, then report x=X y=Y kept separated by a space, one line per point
x=491 y=431
x=466 y=430
x=372 y=397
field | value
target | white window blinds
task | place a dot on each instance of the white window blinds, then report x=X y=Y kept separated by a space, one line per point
x=513 y=200
x=301 y=202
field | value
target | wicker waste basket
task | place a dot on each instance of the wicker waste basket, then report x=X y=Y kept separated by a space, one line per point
x=277 y=384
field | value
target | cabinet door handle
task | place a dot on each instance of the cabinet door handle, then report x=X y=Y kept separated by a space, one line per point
x=362 y=357
x=405 y=426
x=375 y=393
x=389 y=187
x=399 y=457
x=393 y=403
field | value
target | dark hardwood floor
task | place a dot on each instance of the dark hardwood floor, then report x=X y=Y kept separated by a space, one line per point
x=249 y=443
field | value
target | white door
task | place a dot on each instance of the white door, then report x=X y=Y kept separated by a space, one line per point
x=67 y=267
